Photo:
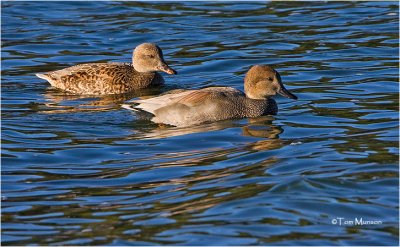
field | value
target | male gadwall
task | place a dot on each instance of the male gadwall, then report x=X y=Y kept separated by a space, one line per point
x=190 y=107
x=113 y=78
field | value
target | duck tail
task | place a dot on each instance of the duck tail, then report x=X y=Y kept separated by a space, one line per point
x=43 y=76
x=129 y=107
x=49 y=79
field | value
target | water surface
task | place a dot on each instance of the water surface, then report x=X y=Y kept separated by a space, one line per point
x=84 y=171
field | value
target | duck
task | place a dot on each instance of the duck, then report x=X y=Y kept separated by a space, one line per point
x=113 y=78
x=183 y=108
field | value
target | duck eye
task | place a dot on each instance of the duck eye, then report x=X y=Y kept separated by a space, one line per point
x=150 y=56
x=270 y=79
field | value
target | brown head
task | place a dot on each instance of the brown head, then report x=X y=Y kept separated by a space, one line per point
x=262 y=81
x=148 y=57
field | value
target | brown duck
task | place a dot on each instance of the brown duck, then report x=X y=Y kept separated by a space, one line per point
x=113 y=78
x=191 y=107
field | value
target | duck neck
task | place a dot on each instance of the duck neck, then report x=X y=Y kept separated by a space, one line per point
x=260 y=107
x=141 y=72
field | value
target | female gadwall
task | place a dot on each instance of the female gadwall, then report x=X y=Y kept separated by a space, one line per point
x=190 y=107
x=113 y=78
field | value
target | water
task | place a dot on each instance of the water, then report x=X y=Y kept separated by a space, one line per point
x=84 y=171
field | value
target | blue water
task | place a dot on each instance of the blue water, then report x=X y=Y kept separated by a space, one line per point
x=84 y=171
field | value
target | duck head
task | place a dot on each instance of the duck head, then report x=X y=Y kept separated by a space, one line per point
x=148 y=57
x=262 y=81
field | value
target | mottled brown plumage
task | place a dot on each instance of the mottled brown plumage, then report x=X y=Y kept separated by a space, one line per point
x=113 y=78
x=191 y=107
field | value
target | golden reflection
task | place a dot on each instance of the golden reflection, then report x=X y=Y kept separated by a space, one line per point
x=262 y=127
x=214 y=184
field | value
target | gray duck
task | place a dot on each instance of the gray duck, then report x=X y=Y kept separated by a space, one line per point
x=191 y=107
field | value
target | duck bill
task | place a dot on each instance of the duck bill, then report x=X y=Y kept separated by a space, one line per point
x=286 y=93
x=165 y=68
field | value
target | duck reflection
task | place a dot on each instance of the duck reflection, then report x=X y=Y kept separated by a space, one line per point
x=261 y=127
x=62 y=102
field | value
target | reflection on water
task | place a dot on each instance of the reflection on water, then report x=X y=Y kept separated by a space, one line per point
x=60 y=102
x=83 y=171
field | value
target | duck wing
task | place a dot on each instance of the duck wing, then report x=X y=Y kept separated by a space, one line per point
x=198 y=97
x=192 y=106
x=152 y=104
x=92 y=78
